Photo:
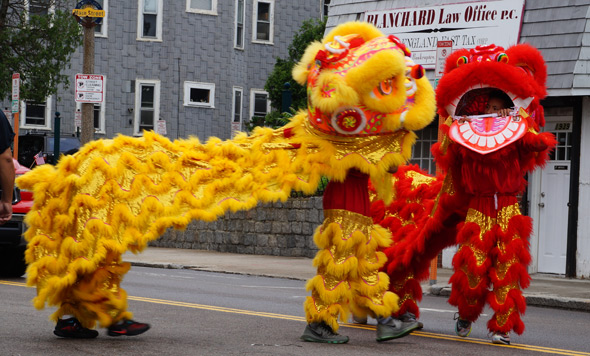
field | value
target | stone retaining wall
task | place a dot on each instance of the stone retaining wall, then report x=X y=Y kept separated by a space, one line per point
x=280 y=229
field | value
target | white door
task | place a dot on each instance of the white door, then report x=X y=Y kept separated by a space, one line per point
x=553 y=217
x=553 y=203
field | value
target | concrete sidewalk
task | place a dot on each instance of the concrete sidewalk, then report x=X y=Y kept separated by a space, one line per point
x=545 y=290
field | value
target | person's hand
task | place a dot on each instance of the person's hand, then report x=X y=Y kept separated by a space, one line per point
x=464 y=119
x=504 y=112
x=5 y=212
x=392 y=169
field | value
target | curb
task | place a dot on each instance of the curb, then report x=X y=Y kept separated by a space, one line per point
x=208 y=269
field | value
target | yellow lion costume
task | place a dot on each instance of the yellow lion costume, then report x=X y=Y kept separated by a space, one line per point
x=113 y=196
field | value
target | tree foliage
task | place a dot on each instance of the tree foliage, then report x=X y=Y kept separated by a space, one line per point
x=37 y=39
x=311 y=30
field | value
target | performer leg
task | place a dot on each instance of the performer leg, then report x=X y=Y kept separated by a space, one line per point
x=371 y=295
x=97 y=296
x=470 y=281
x=509 y=274
x=336 y=262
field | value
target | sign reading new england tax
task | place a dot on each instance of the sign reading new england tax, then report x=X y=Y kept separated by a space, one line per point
x=466 y=24
x=89 y=88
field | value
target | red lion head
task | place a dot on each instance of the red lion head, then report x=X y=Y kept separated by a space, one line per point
x=471 y=75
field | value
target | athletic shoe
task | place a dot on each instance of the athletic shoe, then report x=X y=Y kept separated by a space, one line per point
x=127 y=328
x=407 y=316
x=501 y=338
x=359 y=319
x=73 y=329
x=394 y=329
x=462 y=327
x=322 y=332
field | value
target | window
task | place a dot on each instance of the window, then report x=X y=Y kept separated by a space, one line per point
x=149 y=24
x=100 y=30
x=563 y=149
x=240 y=15
x=236 y=124
x=208 y=7
x=199 y=94
x=421 y=154
x=263 y=21
x=147 y=104
x=326 y=6
x=39 y=7
x=98 y=116
x=259 y=104
x=36 y=115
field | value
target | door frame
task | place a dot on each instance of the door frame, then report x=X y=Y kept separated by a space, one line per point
x=563 y=111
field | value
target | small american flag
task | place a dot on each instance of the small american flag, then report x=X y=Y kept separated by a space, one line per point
x=39 y=159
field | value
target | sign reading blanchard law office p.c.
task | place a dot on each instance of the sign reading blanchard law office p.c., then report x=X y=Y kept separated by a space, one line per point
x=467 y=24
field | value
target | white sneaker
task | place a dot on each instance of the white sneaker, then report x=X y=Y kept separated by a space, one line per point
x=501 y=338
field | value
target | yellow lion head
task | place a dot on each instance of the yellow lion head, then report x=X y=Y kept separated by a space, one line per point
x=362 y=83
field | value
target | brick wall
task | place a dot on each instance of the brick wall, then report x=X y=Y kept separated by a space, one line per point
x=280 y=229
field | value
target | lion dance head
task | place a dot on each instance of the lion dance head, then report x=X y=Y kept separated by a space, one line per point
x=362 y=83
x=472 y=76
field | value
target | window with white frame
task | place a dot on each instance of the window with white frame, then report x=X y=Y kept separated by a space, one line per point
x=98 y=116
x=421 y=150
x=240 y=16
x=147 y=105
x=208 y=7
x=36 y=115
x=263 y=21
x=100 y=30
x=237 y=106
x=259 y=103
x=199 y=94
x=149 y=22
x=39 y=7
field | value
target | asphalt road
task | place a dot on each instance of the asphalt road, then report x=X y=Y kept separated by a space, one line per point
x=204 y=313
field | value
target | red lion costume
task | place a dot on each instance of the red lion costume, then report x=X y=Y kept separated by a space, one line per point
x=483 y=162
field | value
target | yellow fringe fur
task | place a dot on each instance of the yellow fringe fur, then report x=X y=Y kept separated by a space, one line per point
x=115 y=196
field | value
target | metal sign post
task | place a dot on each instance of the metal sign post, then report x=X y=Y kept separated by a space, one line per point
x=15 y=110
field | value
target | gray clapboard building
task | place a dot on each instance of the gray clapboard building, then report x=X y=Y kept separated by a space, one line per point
x=191 y=67
x=558 y=197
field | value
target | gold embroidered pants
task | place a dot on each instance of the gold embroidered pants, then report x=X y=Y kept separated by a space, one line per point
x=348 y=277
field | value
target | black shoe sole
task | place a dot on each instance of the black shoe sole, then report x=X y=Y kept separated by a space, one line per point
x=133 y=333
x=323 y=341
x=74 y=335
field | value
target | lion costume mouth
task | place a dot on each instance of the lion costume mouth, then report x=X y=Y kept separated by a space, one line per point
x=486 y=133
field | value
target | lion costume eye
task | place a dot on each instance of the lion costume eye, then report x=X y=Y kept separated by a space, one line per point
x=462 y=60
x=502 y=58
x=386 y=87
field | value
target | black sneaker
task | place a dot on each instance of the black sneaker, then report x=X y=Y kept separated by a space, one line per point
x=73 y=329
x=321 y=332
x=128 y=328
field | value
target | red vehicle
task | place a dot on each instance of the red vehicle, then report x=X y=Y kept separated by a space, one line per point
x=12 y=242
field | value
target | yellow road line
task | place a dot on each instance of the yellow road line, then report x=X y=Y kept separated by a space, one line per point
x=346 y=325
x=360 y=326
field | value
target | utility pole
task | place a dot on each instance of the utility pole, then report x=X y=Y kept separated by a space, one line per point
x=87 y=133
x=89 y=13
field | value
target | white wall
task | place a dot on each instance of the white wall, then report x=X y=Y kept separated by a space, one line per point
x=583 y=252
x=447 y=256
